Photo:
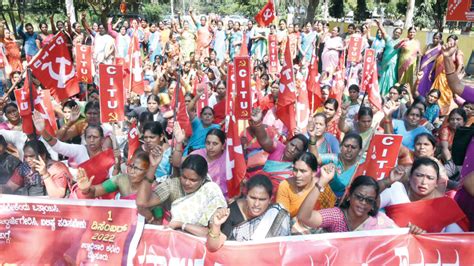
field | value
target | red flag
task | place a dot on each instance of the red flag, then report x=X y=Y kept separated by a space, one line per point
x=204 y=100
x=22 y=97
x=272 y=54
x=236 y=167
x=134 y=67
x=133 y=141
x=266 y=15
x=84 y=63
x=302 y=106
x=44 y=106
x=312 y=85
x=369 y=83
x=382 y=156
x=182 y=113
x=111 y=93
x=243 y=101
x=99 y=166
x=354 y=51
x=230 y=90
x=53 y=67
x=286 y=96
x=244 y=50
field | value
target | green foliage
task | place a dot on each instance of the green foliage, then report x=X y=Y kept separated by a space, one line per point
x=439 y=11
x=402 y=7
x=336 y=9
x=423 y=17
x=361 y=10
x=391 y=10
x=154 y=12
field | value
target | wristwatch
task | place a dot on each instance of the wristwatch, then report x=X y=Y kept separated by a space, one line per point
x=319 y=187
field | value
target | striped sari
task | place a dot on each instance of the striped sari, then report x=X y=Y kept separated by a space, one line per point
x=407 y=62
x=427 y=66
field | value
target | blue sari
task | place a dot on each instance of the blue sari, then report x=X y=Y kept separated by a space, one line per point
x=389 y=66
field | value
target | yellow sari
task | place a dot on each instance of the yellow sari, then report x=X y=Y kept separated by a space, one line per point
x=407 y=62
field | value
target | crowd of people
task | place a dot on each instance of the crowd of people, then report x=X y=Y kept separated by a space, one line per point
x=302 y=183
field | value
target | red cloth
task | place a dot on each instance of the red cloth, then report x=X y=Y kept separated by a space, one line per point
x=287 y=95
x=430 y=215
x=219 y=111
x=266 y=15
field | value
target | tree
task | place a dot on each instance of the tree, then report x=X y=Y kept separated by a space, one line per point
x=104 y=8
x=361 y=11
x=439 y=8
x=337 y=9
x=409 y=14
x=312 y=5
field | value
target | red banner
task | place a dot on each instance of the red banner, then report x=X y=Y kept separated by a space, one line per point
x=203 y=101
x=22 y=97
x=236 y=166
x=230 y=92
x=378 y=247
x=53 y=67
x=45 y=108
x=266 y=15
x=272 y=54
x=354 y=52
x=133 y=141
x=111 y=93
x=134 y=66
x=460 y=10
x=68 y=232
x=369 y=83
x=243 y=101
x=84 y=63
x=382 y=156
x=99 y=166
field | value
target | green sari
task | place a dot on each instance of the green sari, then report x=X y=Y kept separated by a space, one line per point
x=389 y=66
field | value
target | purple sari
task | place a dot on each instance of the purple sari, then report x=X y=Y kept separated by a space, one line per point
x=426 y=65
x=462 y=197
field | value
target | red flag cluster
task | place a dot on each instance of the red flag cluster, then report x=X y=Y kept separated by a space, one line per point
x=370 y=83
x=266 y=15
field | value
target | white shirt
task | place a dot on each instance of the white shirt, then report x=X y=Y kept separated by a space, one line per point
x=18 y=139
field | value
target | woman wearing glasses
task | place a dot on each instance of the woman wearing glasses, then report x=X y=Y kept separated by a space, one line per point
x=126 y=184
x=418 y=203
x=358 y=211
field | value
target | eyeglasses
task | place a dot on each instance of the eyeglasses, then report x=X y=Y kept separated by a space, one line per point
x=368 y=200
x=134 y=168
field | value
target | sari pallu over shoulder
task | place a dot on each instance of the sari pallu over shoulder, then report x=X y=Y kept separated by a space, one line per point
x=427 y=65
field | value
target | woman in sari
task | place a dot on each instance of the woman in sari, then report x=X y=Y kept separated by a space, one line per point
x=251 y=218
x=14 y=121
x=280 y=159
x=38 y=174
x=308 y=40
x=457 y=118
x=332 y=118
x=293 y=191
x=259 y=42
x=388 y=67
x=358 y=211
x=332 y=46
x=125 y=183
x=409 y=127
x=346 y=161
x=13 y=53
x=378 y=44
x=235 y=40
x=191 y=198
x=214 y=153
x=427 y=64
x=325 y=142
x=187 y=42
x=441 y=82
x=154 y=136
x=409 y=50
x=419 y=203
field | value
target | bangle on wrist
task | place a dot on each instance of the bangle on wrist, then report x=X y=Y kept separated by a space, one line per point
x=183 y=227
x=213 y=236
x=150 y=180
x=45 y=176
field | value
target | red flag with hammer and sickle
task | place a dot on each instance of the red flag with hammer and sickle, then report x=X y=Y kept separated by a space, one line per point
x=266 y=15
x=54 y=68
x=133 y=141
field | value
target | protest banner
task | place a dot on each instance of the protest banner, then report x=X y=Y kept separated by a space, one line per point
x=354 y=52
x=230 y=92
x=382 y=156
x=111 y=93
x=272 y=54
x=160 y=246
x=84 y=63
x=243 y=101
x=460 y=10
x=68 y=232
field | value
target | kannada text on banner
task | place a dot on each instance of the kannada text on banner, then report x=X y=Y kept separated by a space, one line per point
x=46 y=231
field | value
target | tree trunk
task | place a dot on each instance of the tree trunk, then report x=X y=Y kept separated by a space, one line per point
x=311 y=10
x=409 y=14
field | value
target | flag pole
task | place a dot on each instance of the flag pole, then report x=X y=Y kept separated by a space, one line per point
x=30 y=87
